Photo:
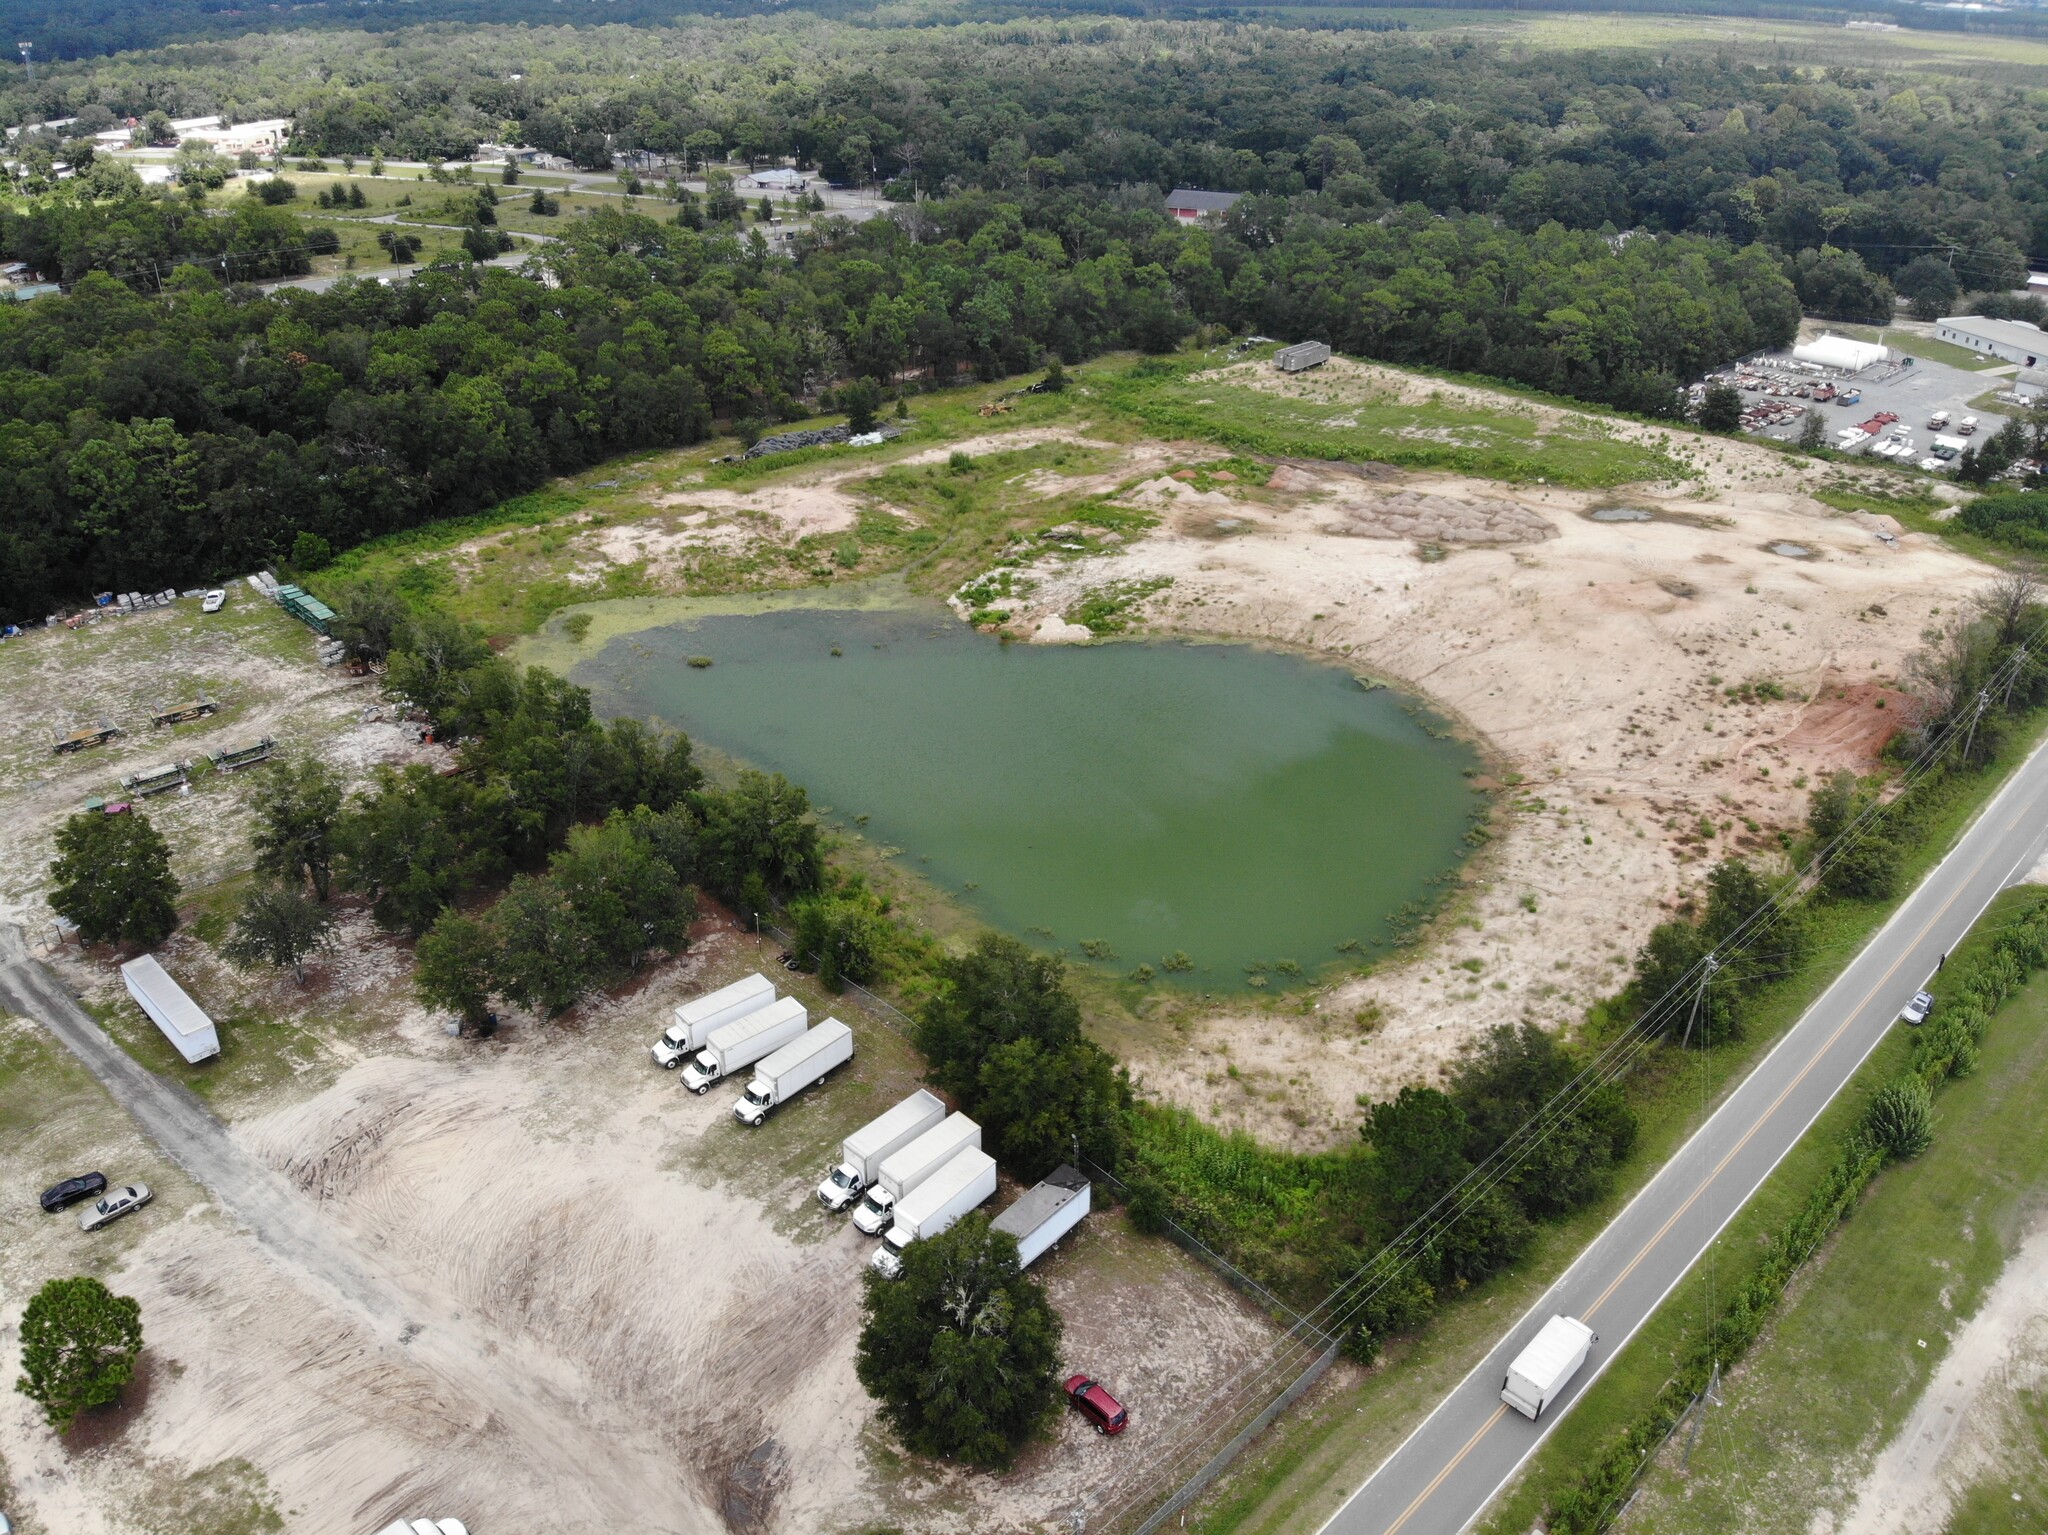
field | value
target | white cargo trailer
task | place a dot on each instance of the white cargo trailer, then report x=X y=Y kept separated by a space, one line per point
x=691 y=1024
x=1045 y=1214
x=183 y=1022
x=781 y=1076
x=906 y=1169
x=1541 y=1370
x=862 y=1154
x=933 y=1206
x=744 y=1042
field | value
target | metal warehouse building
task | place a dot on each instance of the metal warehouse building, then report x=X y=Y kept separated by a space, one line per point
x=2012 y=340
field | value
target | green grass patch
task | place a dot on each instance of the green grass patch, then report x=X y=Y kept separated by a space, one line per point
x=1503 y=443
x=1923 y=347
x=1842 y=1366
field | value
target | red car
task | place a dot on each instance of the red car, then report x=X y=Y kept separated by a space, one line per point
x=1097 y=1405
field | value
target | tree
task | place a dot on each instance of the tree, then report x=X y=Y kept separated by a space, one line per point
x=842 y=936
x=311 y=552
x=414 y=843
x=1813 y=433
x=1506 y=1080
x=544 y=956
x=860 y=400
x=627 y=899
x=373 y=617
x=279 y=925
x=1861 y=866
x=998 y=991
x=112 y=879
x=1042 y=1103
x=962 y=1351
x=453 y=966
x=1929 y=285
x=758 y=842
x=1418 y=1142
x=79 y=1342
x=296 y=805
x=1720 y=409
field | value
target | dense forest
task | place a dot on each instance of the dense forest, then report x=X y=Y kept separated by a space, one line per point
x=1780 y=152
x=95 y=27
x=150 y=440
x=1603 y=225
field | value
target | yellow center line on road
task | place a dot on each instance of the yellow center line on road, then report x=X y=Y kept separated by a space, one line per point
x=1500 y=1411
x=1812 y=1061
x=1456 y=1460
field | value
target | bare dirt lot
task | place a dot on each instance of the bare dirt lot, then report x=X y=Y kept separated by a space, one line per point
x=1662 y=671
x=608 y=1306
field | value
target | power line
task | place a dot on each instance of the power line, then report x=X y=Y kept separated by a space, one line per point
x=1335 y=1313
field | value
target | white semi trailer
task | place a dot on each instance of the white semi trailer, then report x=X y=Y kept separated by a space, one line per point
x=744 y=1042
x=933 y=1206
x=864 y=1151
x=1045 y=1214
x=691 y=1024
x=1541 y=1370
x=781 y=1076
x=909 y=1167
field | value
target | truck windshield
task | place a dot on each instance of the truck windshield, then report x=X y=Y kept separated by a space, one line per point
x=877 y=1201
x=676 y=1038
x=842 y=1176
x=707 y=1065
x=758 y=1096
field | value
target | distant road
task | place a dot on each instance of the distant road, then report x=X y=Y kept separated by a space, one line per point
x=1451 y=1467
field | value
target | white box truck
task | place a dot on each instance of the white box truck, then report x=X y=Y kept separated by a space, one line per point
x=862 y=1154
x=934 y=1205
x=183 y=1022
x=691 y=1024
x=1045 y=1214
x=1541 y=1370
x=744 y=1042
x=906 y=1169
x=781 y=1076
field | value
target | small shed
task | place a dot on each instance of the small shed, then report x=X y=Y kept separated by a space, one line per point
x=183 y=1021
x=1302 y=356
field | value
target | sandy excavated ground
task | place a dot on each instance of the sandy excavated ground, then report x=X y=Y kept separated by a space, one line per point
x=1969 y=1412
x=258 y=664
x=1592 y=657
x=631 y=1315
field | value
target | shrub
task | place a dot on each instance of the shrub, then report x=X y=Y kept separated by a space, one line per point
x=1899 y=1120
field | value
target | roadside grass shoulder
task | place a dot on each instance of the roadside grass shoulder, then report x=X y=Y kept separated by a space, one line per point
x=2009 y=1500
x=1291 y=1482
x=1863 y=1332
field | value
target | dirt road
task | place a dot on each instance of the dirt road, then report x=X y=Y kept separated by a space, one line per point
x=532 y=1406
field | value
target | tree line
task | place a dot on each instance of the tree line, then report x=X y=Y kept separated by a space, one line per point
x=1856 y=174
x=173 y=438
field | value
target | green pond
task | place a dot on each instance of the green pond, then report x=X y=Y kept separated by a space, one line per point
x=1240 y=807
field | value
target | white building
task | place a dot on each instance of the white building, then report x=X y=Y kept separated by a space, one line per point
x=2008 y=340
x=779 y=179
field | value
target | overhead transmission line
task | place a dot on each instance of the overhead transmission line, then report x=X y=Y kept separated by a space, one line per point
x=1324 y=1325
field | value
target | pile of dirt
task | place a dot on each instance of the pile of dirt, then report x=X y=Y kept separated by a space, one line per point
x=1428 y=517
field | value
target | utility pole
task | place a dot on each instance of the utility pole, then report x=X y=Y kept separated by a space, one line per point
x=1706 y=979
x=1983 y=703
x=27 y=62
x=2019 y=664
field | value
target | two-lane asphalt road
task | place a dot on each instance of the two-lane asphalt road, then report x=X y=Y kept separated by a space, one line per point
x=1449 y=1469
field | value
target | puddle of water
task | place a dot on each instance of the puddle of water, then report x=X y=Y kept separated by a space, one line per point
x=1237 y=805
x=1621 y=514
x=1791 y=551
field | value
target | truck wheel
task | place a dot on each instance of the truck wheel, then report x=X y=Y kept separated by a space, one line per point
x=700 y=1091
x=671 y=1065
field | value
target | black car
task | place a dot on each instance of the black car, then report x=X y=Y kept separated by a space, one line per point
x=71 y=1190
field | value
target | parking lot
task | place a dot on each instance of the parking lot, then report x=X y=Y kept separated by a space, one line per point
x=1907 y=389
